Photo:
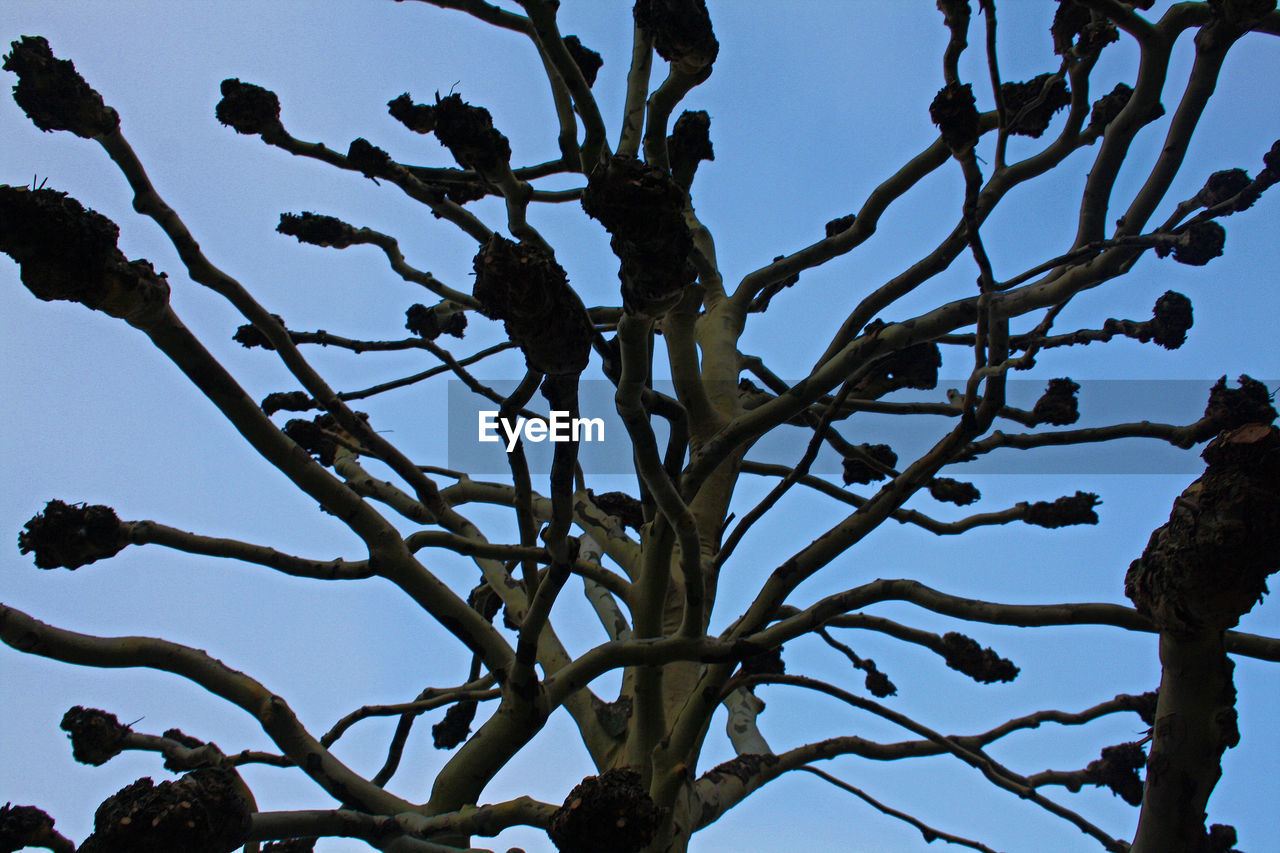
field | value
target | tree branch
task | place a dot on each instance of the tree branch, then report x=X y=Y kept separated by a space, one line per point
x=995 y=772
x=31 y=636
x=929 y=834
x=154 y=533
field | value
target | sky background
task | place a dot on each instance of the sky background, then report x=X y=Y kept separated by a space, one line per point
x=812 y=105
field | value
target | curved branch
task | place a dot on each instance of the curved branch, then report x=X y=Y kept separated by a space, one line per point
x=1017 y=512
x=1141 y=110
x=864 y=225
x=428 y=700
x=542 y=15
x=398 y=174
x=391 y=248
x=426 y=374
x=995 y=772
x=154 y=533
x=637 y=91
x=730 y=792
x=327 y=339
x=1200 y=85
x=928 y=832
x=1179 y=436
x=663 y=100
x=32 y=636
x=487 y=820
x=180 y=756
x=347 y=463
x=633 y=337
x=974 y=610
x=469 y=547
x=488 y=13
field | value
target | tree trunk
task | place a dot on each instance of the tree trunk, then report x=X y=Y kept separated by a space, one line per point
x=1195 y=724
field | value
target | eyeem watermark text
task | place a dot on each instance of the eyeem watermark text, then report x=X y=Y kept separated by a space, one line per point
x=559 y=426
x=606 y=447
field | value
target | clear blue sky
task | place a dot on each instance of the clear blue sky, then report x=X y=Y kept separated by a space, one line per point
x=813 y=103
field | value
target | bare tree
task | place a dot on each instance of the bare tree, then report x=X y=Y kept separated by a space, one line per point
x=652 y=562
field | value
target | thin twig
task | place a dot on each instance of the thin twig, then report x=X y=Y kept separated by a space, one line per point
x=930 y=834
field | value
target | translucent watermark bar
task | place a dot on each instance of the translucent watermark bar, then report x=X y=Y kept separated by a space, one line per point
x=605 y=448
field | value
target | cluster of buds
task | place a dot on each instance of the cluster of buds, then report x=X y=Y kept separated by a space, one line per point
x=467 y=131
x=868 y=462
x=96 y=736
x=681 y=32
x=319 y=230
x=1118 y=769
x=1170 y=319
x=612 y=811
x=247 y=108
x=1065 y=511
x=443 y=318
x=1229 y=408
x=1031 y=105
x=286 y=401
x=53 y=94
x=28 y=826
x=250 y=336
x=455 y=726
x=201 y=812
x=953 y=491
x=876 y=682
x=321 y=436
x=1271 y=161
x=1144 y=705
x=642 y=208
x=628 y=510
x=59 y=239
x=459 y=192
x=689 y=144
x=69 y=253
x=1077 y=32
x=370 y=160
x=72 y=535
x=963 y=654
x=470 y=136
x=1209 y=564
x=839 y=225
x=1221 y=838
x=1106 y=108
x=956 y=14
x=955 y=113
x=523 y=285
x=420 y=118
x=588 y=61
x=1058 y=405
x=915 y=367
x=1225 y=185
x=1196 y=243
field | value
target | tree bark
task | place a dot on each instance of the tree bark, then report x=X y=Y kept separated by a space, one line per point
x=1195 y=724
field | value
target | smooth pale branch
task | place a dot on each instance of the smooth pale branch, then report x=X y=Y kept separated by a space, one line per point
x=559 y=426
